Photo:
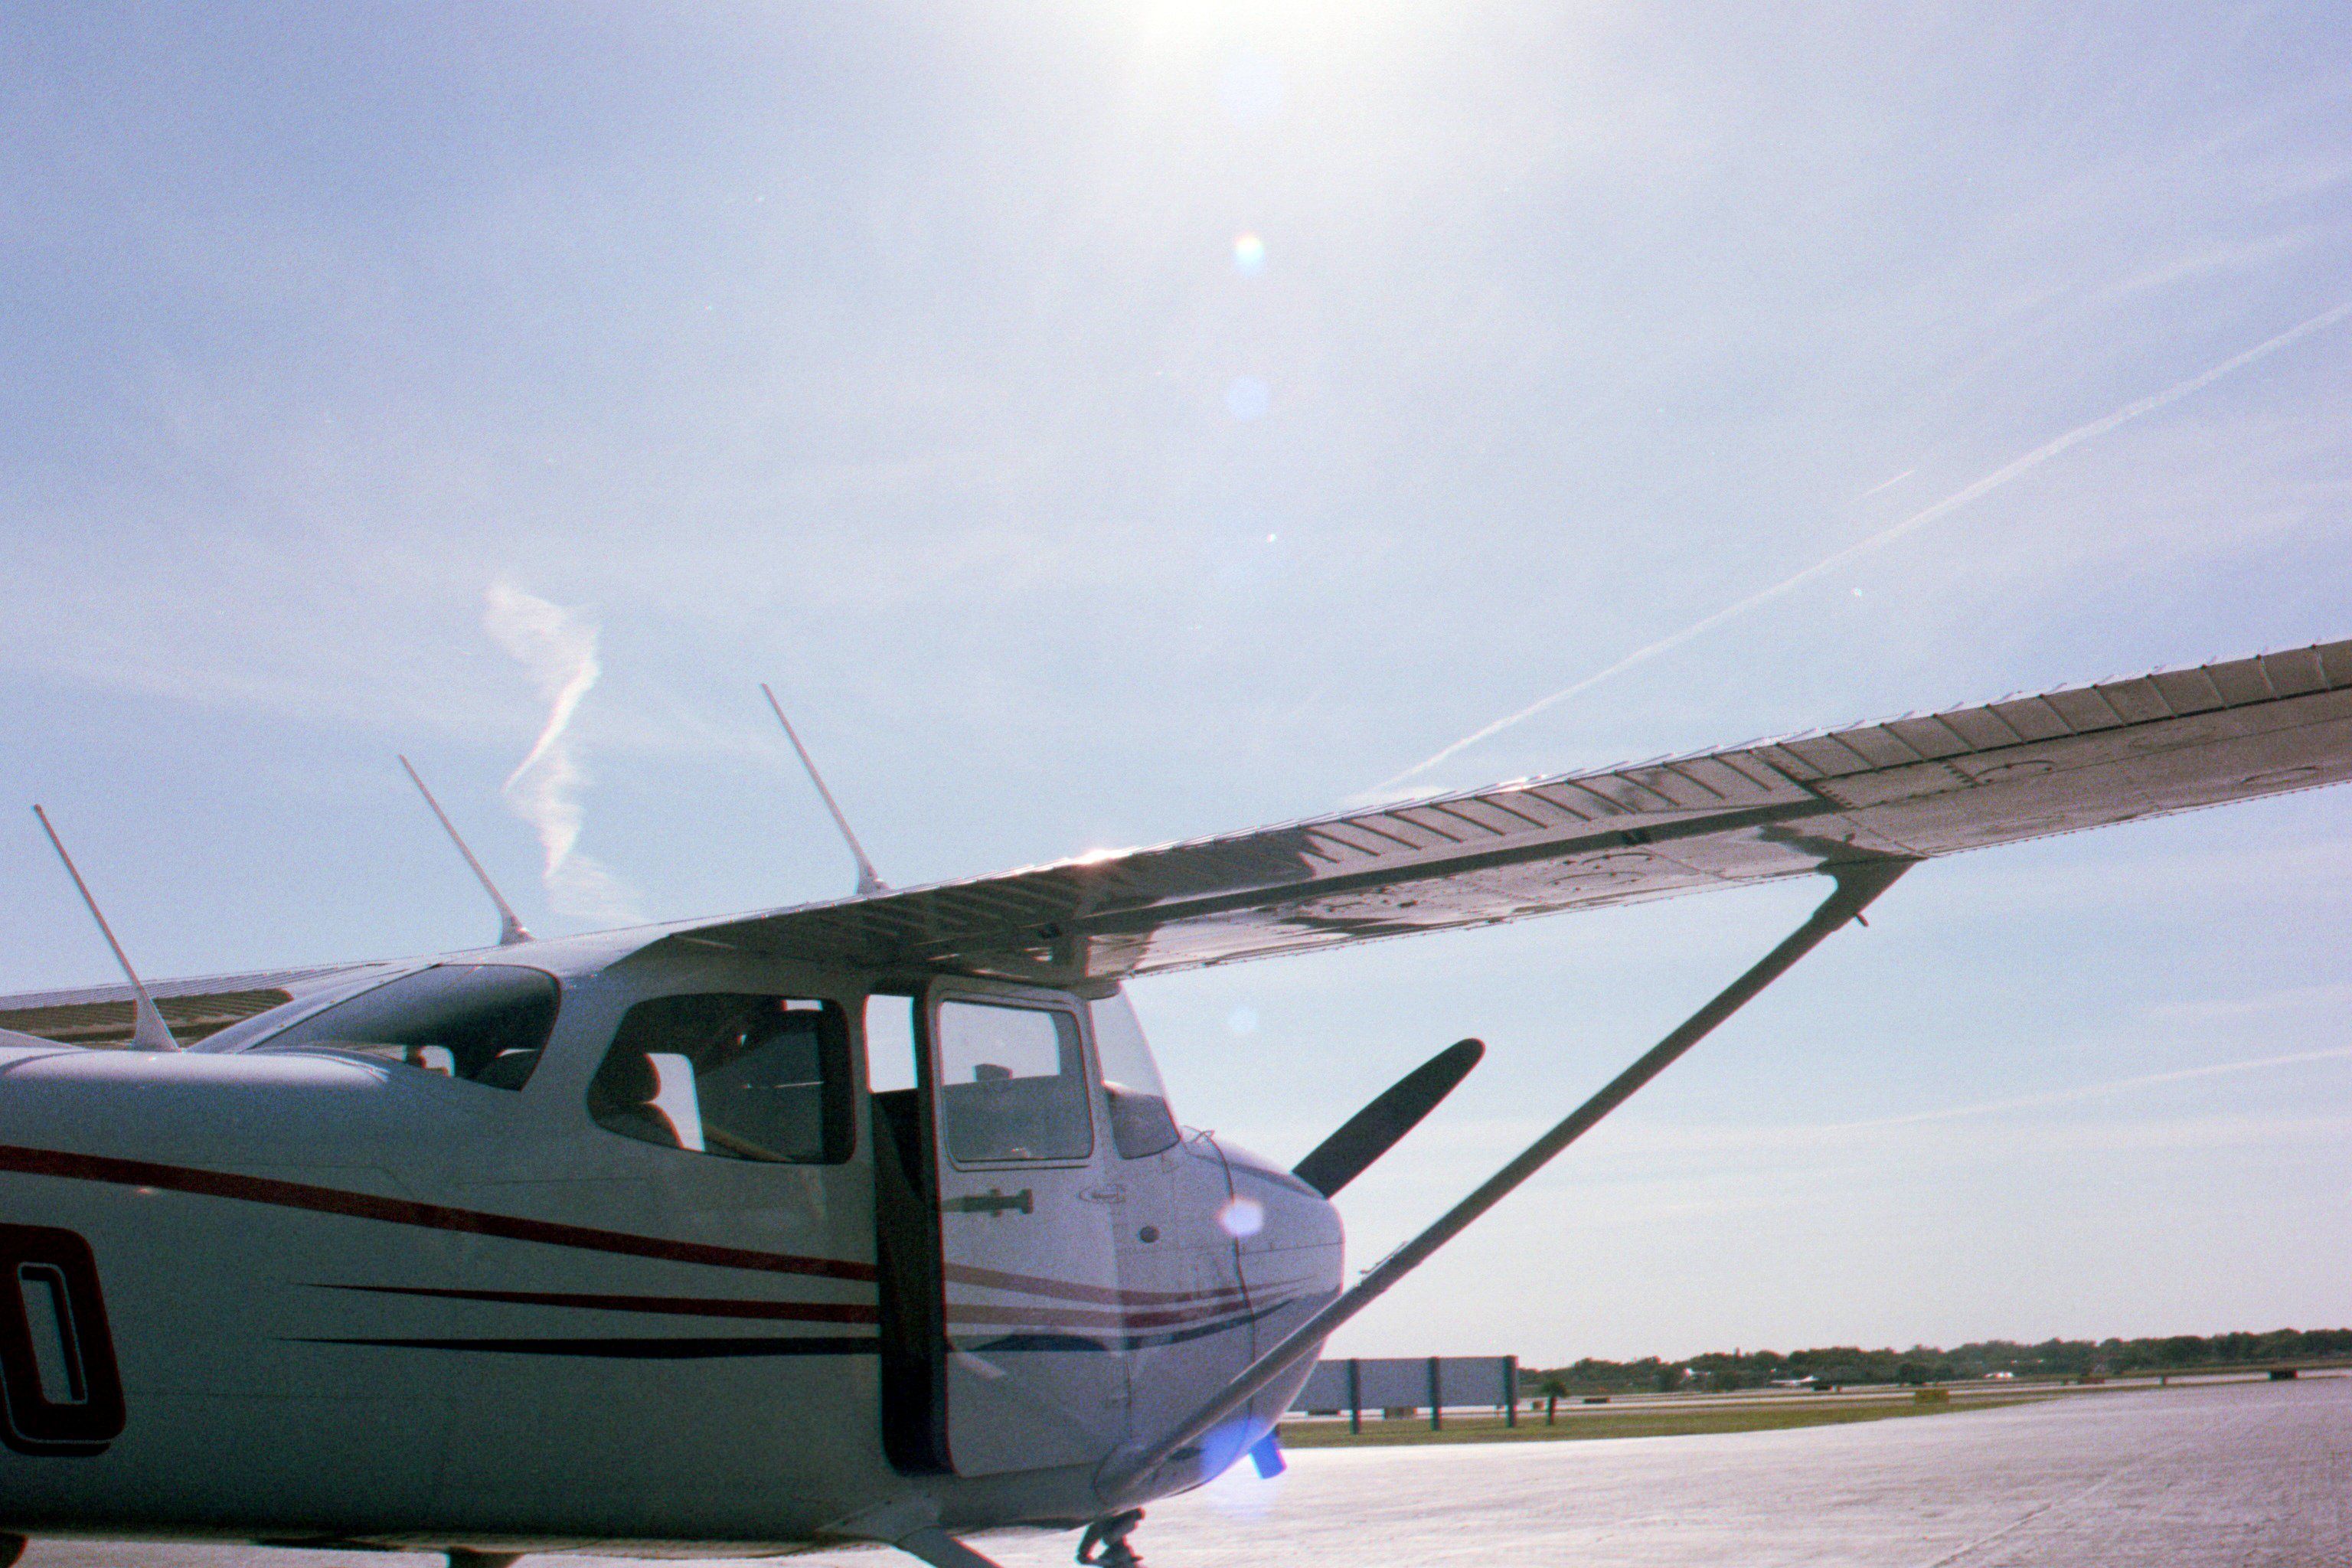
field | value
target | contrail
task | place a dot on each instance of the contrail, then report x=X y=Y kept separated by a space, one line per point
x=558 y=647
x=2091 y=1091
x=1889 y=485
x=1916 y=521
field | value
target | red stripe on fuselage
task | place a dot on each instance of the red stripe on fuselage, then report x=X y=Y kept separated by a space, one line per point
x=806 y=1312
x=989 y=1279
x=405 y=1211
x=552 y=1233
x=672 y=1306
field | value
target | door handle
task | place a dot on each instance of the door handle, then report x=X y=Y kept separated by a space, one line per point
x=992 y=1202
x=1103 y=1195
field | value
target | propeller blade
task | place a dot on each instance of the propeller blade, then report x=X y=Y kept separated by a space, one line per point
x=1374 y=1130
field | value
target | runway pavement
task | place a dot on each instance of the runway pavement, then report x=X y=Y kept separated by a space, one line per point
x=2245 y=1473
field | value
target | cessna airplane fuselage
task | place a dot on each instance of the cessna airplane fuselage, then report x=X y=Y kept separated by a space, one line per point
x=553 y=1245
x=865 y=1220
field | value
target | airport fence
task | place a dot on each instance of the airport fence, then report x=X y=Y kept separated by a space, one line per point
x=1412 y=1383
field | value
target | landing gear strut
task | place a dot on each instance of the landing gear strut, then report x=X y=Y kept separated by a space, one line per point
x=1104 y=1542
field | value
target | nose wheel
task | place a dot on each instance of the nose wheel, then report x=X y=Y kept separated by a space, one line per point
x=1104 y=1542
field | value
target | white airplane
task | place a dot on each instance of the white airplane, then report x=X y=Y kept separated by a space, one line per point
x=864 y=1221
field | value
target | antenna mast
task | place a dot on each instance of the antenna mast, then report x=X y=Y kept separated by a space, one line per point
x=510 y=930
x=867 y=882
x=148 y=1030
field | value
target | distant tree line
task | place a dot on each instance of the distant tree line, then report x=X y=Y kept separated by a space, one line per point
x=1846 y=1364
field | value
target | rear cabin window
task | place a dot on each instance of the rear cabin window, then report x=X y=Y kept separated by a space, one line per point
x=734 y=1076
x=1013 y=1084
x=484 y=1023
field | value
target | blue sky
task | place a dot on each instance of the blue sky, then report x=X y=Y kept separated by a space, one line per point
x=906 y=359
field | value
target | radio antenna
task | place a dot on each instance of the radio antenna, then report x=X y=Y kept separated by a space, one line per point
x=148 y=1030
x=510 y=930
x=867 y=882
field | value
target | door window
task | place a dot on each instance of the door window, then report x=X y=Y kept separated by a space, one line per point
x=1012 y=1083
x=740 y=1076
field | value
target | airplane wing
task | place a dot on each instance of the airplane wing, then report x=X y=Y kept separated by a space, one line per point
x=101 y=1014
x=1928 y=784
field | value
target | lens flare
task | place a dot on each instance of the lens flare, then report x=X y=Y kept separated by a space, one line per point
x=1242 y=1219
x=1249 y=255
x=1236 y=1490
x=1248 y=397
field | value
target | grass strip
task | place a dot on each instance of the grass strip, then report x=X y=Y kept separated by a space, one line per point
x=1683 y=1422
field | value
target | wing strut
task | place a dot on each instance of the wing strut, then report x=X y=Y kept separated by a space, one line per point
x=148 y=1030
x=1858 y=882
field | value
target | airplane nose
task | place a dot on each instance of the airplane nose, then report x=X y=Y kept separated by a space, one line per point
x=1290 y=1247
x=1291 y=1229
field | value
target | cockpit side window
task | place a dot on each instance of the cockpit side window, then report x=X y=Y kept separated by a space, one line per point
x=484 y=1023
x=1142 y=1124
x=736 y=1076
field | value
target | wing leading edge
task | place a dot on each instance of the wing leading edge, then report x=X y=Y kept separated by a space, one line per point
x=2024 y=767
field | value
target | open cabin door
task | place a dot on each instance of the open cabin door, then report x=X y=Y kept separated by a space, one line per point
x=1036 y=1368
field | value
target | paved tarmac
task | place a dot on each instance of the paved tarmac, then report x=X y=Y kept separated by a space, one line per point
x=2242 y=1474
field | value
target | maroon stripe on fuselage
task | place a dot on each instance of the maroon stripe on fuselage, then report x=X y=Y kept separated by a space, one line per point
x=552 y=1233
x=672 y=1306
x=993 y=1279
x=806 y=1312
x=1083 y=1318
x=405 y=1211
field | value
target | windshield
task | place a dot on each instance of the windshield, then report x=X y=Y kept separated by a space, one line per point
x=1142 y=1124
x=308 y=1002
x=484 y=1023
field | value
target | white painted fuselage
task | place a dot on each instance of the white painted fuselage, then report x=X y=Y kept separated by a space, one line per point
x=347 y=1297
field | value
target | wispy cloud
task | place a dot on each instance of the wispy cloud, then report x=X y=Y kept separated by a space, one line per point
x=1884 y=537
x=2285 y=1000
x=2095 y=1090
x=558 y=648
x=1454 y=1146
x=2234 y=256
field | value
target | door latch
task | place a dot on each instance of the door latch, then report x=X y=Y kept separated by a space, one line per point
x=992 y=1202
